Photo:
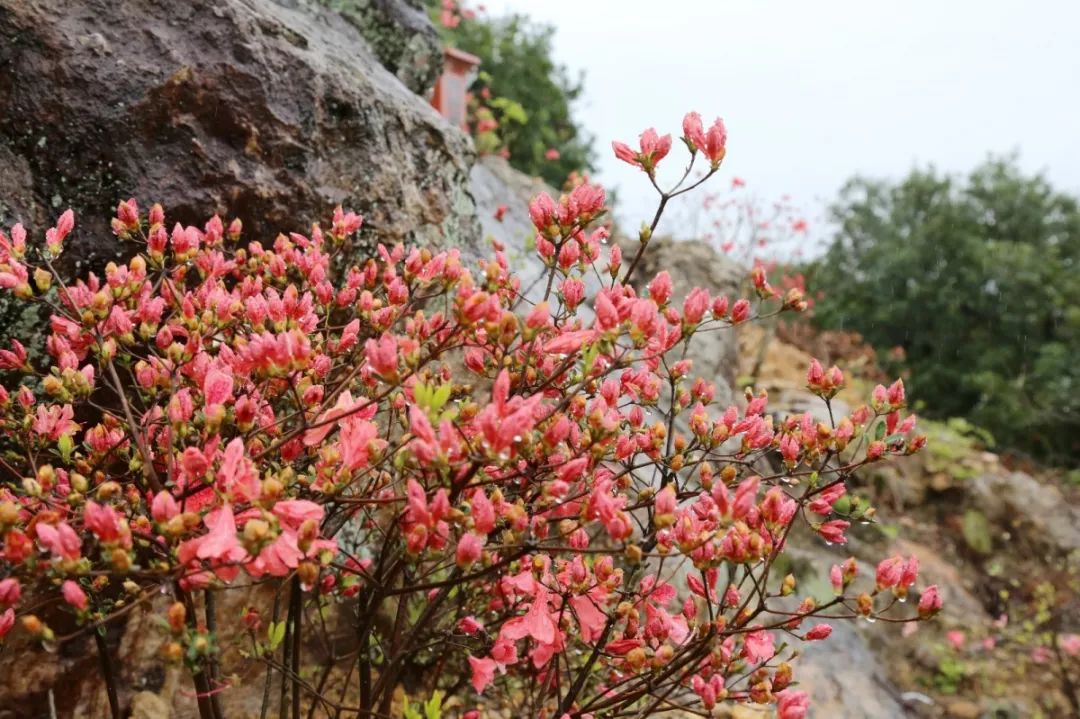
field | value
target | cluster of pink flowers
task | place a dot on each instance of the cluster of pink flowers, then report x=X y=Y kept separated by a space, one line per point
x=652 y=148
x=551 y=491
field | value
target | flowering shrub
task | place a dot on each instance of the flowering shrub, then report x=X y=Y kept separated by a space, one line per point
x=535 y=497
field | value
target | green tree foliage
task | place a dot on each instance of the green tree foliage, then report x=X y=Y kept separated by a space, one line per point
x=977 y=280
x=531 y=93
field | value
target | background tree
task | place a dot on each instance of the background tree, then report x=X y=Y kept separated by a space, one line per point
x=529 y=93
x=976 y=280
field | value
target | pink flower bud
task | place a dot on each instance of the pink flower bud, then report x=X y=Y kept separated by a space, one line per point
x=7 y=621
x=720 y=307
x=875 y=450
x=542 y=211
x=695 y=305
x=164 y=506
x=74 y=595
x=889 y=572
x=693 y=131
x=836 y=578
x=665 y=501
x=833 y=531
x=660 y=288
x=895 y=393
x=815 y=376
x=740 y=312
x=469 y=550
x=10 y=592
x=929 y=602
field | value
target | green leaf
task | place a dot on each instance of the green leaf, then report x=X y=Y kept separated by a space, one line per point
x=276 y=634
x=590 y=357
x=433 y=706
x=422 y=394
x=440 y=396
x=65 y=445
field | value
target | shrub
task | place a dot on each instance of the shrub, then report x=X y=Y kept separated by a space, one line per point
x=976 y=280
x=509 y=493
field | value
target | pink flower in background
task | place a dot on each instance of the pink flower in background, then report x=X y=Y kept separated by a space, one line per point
x=956 y=638
x=469 y=550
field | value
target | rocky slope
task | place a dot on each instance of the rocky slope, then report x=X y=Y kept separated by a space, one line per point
x=987 y=533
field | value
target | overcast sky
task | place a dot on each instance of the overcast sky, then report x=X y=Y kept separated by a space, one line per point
x=814 y=92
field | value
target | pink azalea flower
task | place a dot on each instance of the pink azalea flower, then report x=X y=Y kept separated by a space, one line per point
x=483 y=672
x=294 y=512
x=591 y=620
x=535 y=623
x=758 y=646
x=61 y=540
x=221 y=544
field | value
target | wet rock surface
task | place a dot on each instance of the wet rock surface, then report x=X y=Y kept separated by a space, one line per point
x=270 y=111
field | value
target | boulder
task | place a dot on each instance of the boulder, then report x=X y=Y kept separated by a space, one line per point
x=494 y=185
x=1022 y=505
x=401 y=36
x=846 y=680
x=692 y=263
x=270 y=111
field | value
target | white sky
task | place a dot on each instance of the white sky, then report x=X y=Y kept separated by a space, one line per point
x=814 y=92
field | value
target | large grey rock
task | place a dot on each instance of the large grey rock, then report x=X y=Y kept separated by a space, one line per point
x=401 y=36
x=691 y=264
x=1023 y=505
x=270 y=111
x=846 y=680
x=494 y=184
